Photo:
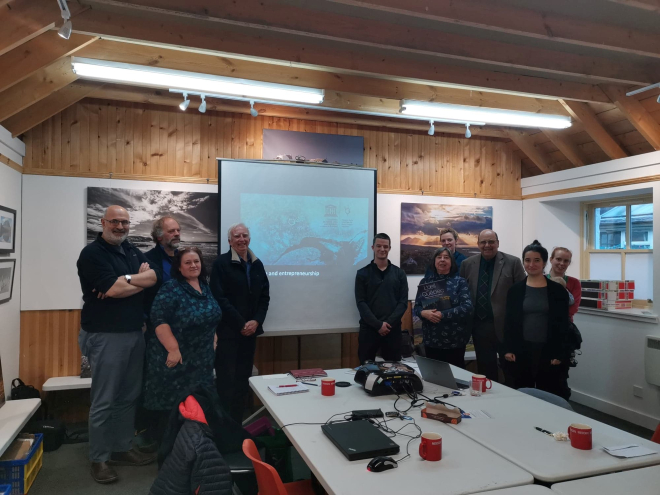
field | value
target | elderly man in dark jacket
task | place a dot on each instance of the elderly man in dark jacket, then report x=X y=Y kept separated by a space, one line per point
x=240 y=284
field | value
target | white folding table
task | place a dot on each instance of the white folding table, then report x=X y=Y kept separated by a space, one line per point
x=14 y=415
x=466 y=467
x=511 y=433
x=522 y=490
x=644 y=481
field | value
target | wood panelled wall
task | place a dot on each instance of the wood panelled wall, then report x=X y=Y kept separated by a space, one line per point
x=96 y=137
x=101 y=137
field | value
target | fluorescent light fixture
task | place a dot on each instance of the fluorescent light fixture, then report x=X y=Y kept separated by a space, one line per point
x=488 y=115
x=202 y=106
x=139 y=75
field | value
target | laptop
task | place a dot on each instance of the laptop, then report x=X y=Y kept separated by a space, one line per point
x=360 y=440
x=439 y=372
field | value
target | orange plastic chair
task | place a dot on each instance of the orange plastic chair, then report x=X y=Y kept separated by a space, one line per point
x=268 y=480
x=656 y=436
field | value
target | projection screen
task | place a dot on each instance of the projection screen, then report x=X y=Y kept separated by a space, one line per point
x=312 y=227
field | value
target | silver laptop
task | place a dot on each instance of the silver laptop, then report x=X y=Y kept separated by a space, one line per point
x=439 y=372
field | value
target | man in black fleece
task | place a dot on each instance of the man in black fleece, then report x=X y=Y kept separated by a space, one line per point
x=381 y=294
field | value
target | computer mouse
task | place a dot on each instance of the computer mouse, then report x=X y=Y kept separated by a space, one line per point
x=381 y=463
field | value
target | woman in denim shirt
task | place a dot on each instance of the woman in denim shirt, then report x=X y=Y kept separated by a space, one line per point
x=446 y=331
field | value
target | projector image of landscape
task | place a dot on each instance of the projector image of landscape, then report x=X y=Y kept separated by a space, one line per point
x=291 y=230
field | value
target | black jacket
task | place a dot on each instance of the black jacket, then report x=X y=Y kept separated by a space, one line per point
x=555 y=347
x=155 y=256
x=194 y=466
x=381 y=296
x=239 y=301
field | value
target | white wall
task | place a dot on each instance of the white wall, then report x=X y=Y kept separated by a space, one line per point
x=507 y=219
x=613 y=349
x=54 y=233
x=10 y=312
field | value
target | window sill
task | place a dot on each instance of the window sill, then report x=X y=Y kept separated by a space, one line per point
x=634 y=314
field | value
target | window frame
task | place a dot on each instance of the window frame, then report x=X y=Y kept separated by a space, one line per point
x=588 y=228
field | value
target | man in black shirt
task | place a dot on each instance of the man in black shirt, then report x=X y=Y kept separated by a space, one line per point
x=381 y=294
x=113 y=275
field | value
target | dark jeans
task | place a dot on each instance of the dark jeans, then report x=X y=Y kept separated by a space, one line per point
x=451 y=356
x=369 y=341
x=233 y=367
x=486 y=347
x=533 y=370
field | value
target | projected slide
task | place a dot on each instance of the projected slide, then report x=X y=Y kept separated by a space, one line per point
x=291 y=230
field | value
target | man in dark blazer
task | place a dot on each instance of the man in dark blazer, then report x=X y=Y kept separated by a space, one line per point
x=240 y=285
x=490 y=275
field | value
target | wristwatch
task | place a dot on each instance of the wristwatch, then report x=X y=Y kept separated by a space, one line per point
x=128 y=278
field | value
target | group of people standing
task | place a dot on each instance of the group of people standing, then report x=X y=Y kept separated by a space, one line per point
x=154 y=325
x=518 y=316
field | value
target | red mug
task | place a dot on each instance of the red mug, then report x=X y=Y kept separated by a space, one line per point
x=431 y=447
x=580 y=436
x=328 y=386
x=479 y=382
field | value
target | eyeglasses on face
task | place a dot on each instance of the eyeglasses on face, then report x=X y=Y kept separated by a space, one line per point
x=114 y=222
x=489 y=243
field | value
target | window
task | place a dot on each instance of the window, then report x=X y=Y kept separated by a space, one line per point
x=619 y=243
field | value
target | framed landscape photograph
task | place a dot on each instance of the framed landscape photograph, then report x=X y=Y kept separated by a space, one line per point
x=7 y=230
x=7 y=270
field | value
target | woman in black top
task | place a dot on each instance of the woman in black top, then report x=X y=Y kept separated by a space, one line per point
x=536 y=328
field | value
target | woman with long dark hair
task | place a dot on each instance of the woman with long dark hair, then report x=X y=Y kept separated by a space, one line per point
x=446 y=331
x=180 y=356
x=536 y=326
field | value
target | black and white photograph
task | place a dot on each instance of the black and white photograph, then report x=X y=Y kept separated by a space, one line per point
x=7 y=230
x=7 y=269
x=196 y=212
x=313 y=147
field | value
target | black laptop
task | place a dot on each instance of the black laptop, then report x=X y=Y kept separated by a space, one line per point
x=439 y=372
x=360 y=440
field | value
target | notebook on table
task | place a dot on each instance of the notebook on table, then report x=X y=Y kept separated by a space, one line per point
x=308 y=373
x=296 y=388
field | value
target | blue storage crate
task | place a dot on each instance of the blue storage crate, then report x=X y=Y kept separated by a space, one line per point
x=5 y=489
x=20 y=475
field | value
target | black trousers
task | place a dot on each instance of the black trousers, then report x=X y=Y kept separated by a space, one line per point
x=369 y=341
x=533 y=370
x=451 y=356
x=486 y=347
x=233 y=367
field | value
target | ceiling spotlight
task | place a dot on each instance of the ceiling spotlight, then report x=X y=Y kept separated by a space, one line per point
x=253 y=112
x=431 y=128
x=202 y=107
x=468 y=134
x=65 y=30
x=184 y=104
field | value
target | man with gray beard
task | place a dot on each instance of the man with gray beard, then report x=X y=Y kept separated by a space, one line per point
x=113 y=275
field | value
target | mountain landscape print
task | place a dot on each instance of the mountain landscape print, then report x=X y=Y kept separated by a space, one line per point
x=196 y=212
x=420 y=231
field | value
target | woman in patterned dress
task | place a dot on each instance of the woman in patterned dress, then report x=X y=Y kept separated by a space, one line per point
x=446 y=331
x=181 y=354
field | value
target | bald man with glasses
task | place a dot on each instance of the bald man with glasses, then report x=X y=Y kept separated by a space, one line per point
x=113 y=275
x=490 y=275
